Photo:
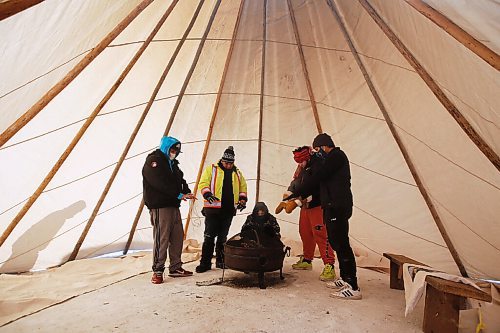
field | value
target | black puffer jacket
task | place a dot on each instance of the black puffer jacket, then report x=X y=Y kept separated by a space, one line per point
x=333 y=176
x=162 y=184
x=306 y=176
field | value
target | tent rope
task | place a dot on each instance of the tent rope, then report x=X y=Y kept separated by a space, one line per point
x=176 y=96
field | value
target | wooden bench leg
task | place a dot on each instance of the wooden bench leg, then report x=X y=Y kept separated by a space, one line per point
x=397 y=261
x=396 y=281
x=441 y=312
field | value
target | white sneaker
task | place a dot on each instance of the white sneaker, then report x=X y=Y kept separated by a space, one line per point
x=337 y=284
x=347 y=293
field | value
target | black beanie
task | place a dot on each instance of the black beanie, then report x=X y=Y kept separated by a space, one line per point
x=323 y=139
x=228 y=155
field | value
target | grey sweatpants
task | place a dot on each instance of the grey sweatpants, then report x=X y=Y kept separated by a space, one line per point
x=168 y=235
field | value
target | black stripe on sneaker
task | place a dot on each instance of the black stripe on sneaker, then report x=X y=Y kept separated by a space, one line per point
x=347 y=293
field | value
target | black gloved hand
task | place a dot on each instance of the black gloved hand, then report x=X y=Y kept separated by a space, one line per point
x=240 y=206
x=210 y=197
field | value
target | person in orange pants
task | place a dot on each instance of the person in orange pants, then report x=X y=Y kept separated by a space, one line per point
x=312 y=230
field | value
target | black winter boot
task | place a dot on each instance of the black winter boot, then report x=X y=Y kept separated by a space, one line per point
x=219 y=255
x=207 y=251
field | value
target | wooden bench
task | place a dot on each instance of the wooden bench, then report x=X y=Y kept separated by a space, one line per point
x=397 y=262
x=443 y=301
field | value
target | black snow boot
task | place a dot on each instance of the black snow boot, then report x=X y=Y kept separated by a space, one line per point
x=207 y=251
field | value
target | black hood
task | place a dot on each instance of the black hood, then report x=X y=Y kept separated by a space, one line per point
x=260 y=206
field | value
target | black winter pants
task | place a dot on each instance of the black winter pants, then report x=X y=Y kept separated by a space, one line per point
x=216 y=226
x=337 y=227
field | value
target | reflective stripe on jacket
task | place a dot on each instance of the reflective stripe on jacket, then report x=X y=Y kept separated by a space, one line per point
x=212 y=180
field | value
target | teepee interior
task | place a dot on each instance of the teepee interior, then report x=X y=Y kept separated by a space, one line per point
x=409 y=89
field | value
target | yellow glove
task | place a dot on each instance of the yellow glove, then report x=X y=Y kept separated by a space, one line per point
x=281 y=206
x=290 y=206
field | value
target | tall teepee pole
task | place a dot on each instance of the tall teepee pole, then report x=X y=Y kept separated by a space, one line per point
x=133 y=228
x=304 y=67
x=214 y=113
x=131 y=139
x=190 y=73
x=12 y=7
x=191 y=70
x=58 y=87
x=76 y=139
x=458 y=33
x=434 y=87
x=141 y=205
x=261 y=101
x=398 y=140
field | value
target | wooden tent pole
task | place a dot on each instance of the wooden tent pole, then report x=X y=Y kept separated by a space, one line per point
x=190 y=73
x=134 y=226
x=183 y=39
x=456 y=32
x=12 y=7
x=261 y=101
x=174 y=55
x=77 y=137
x=398 y=140
x=434 y=87
x=304 y=67
x=191 y=70
x=133 y=136
x=73 y=73
x=214 y=113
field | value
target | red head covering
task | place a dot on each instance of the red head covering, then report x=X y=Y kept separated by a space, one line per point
x=302 y=154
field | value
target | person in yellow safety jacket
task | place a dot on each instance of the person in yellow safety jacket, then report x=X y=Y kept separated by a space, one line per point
x=225 y=190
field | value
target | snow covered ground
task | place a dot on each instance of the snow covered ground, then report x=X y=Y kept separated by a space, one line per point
x=299 y=303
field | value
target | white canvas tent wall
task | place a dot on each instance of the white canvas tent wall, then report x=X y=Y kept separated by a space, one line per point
x=415 y=110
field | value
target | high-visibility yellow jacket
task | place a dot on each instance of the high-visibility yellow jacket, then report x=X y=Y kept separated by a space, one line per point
x=212 y=180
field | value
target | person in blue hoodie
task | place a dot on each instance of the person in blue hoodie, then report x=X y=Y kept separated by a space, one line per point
x=164 y=188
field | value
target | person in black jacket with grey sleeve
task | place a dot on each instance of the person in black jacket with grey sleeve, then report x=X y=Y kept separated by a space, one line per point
x=163 y=189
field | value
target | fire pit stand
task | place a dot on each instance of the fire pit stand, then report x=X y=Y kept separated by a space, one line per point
x=257 y=254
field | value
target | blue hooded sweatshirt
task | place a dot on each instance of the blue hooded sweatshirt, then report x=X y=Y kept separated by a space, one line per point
x=166 y=143
x=163 y=184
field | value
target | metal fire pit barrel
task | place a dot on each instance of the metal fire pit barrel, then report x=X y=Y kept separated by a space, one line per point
x=253 y=256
